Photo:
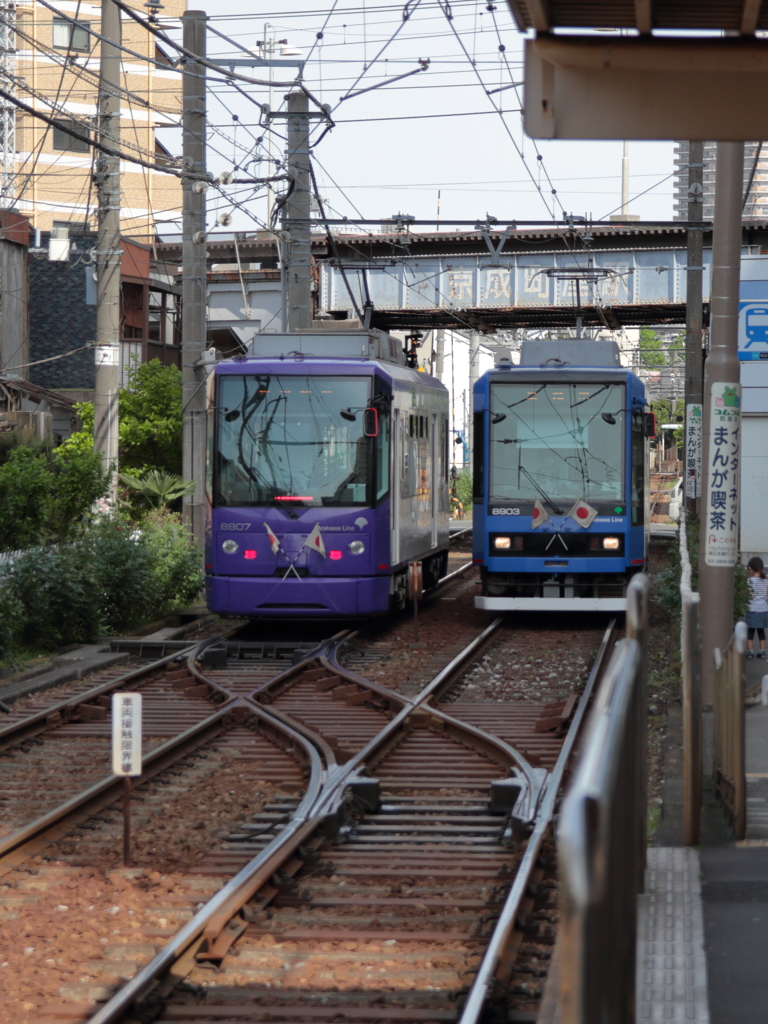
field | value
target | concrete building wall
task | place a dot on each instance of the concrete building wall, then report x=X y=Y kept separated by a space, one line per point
x=55 y=185
x=14 y=322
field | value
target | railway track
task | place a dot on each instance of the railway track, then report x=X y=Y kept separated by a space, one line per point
x=391 y=887
x=361 y=864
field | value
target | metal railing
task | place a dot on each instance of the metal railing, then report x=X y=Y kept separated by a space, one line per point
x=729 y=767
x=690 y=655
x=602 y=838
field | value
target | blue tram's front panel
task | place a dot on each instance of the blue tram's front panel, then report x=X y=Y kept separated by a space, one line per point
x=560 y=486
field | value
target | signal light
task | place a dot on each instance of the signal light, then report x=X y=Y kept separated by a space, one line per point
x=334 y=555
x=249 y=553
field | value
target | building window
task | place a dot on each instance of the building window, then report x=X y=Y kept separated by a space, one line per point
x=67 y=36
x=64 y=142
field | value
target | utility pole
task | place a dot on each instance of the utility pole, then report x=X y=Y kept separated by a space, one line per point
x=721 y=470
x=297 y=260
x=7 y=109
x=474 y=373
x=269 y=52
x=625 y=180
x=108 y=252
x=440 y=355
x=194 y=279
x=694 y=325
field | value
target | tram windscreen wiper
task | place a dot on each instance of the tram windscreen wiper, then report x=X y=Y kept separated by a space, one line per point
x=558 y=511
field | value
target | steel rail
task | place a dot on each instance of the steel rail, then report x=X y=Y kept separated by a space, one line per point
x=18 y=845
x=327 y=782
x=246 y=881
x=15 y=732
x=108 y=789
x=480 y=989
x=40 y=718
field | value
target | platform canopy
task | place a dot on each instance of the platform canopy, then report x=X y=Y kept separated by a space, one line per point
x=709 y=80
x=742 y=16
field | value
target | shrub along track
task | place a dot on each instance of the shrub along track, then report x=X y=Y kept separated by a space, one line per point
x=393 y=887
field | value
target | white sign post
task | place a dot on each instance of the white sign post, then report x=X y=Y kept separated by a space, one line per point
x=126 y=754
x=722 y=498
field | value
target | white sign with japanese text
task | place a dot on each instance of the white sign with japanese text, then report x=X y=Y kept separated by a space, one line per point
x=692 y=450
x=126 y=733
x=722 y=498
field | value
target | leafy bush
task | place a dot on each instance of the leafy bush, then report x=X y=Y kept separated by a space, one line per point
x=56 y=597
x=176 y=563
x=111 y=578
x=123 y=573
x=45 y=493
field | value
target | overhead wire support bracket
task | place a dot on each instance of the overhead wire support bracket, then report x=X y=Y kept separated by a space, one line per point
x=424 y=65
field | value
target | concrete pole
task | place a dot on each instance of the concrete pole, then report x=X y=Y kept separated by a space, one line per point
x=694 y=323
x=107 y=181
x=194 y=282
x=297 y=269
x=625 y=180
x=440 y=355
x=721 y=368
x=474 y=373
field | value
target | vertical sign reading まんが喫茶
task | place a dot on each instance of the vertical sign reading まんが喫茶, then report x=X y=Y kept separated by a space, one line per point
x=722 y=498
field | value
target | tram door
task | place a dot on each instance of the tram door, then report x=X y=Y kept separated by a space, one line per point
x=434 y=483
x=395 y=477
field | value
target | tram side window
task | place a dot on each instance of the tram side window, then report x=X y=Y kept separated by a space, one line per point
x=382 y=458
x=637 y=471
x=446 y=452
x=478 y=440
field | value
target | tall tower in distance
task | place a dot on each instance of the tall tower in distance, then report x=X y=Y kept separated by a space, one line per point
x=757 y=202
x=57 y=72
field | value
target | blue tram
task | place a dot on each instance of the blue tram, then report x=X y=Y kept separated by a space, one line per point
x=327 y=475
x=560 y=477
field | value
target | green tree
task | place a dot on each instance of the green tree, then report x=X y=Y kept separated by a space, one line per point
x=652 y=354
x=151 y=419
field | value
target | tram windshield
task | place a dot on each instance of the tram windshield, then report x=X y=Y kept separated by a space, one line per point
x=557 y=443
x=293 y=439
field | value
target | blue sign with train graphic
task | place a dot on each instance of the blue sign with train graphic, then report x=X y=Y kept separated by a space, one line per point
x=753 y=330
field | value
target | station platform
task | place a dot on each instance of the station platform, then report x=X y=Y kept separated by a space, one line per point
x=703 y=920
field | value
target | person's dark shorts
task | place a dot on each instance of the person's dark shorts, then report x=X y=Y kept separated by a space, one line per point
x=757 y=620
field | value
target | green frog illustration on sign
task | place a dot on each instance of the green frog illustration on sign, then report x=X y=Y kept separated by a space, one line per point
x=729 y=399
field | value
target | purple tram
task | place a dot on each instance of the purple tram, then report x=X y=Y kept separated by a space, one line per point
x=327 y=474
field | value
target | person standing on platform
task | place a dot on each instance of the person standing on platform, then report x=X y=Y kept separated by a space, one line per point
x=757 y=616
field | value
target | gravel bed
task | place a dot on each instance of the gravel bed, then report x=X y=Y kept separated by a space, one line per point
x=73 y=925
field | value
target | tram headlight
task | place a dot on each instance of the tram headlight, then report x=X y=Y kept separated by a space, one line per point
x=611 y=543
x=229 y=547
x=503 y=543
x=357 y=547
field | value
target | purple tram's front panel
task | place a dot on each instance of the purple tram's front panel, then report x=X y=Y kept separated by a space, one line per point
x=311 y=561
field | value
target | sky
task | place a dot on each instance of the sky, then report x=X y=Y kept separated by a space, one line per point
x=395 y=148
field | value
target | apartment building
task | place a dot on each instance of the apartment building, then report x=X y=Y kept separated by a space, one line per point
x=755 y=167
x=59 y=63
